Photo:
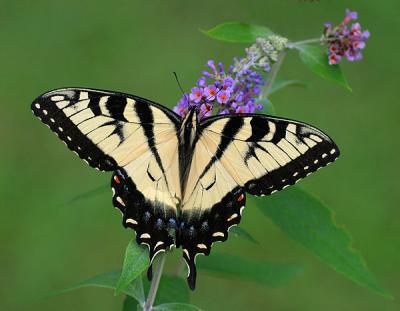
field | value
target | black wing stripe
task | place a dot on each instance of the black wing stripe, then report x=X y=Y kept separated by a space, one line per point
x=145 y=115
x=94 y=104
x=280 y=131
x=115 y=108
x=229 y=131
x=258 y=129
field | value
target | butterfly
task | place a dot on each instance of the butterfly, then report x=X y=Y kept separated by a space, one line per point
x=182 y=182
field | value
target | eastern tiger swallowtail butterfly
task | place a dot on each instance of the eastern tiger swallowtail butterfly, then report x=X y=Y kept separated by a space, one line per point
x=180 y=181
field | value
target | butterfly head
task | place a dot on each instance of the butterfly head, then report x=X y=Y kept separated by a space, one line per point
x=190 y=122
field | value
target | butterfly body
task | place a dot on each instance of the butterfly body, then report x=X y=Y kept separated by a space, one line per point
x=182 y=182
x=188 y=133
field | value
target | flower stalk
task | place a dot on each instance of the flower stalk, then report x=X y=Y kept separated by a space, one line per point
x=272 y=75
x=293 y=45
x=148 y=305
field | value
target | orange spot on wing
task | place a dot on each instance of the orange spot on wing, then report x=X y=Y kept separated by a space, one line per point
x=240 y=197
x=117 y=180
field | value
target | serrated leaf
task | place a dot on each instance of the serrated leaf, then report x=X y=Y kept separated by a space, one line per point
x=135 y=262
x=176 y=307
x=308 y=221
x=237 y=32
x=262 y=272
x=317 y=61
x=242 y=233
x=277 y=85
x=108 y=280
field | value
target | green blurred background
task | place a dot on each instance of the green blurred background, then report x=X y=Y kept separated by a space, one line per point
x=134 y=46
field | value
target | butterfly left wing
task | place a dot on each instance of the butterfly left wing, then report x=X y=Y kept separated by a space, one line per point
x=105 y=129
x=235 y=154
x=135 y=138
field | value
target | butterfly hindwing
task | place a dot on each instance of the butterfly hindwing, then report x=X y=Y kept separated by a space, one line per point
x=151 y=222
x=203 y=225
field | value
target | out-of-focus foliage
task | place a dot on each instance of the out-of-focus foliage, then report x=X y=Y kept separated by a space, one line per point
x=129 y=46
x=281 y=84
x=262 y=272
x=309 y=222
x=108 y=280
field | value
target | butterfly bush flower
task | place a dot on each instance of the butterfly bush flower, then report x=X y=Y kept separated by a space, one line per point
x=345 y=40
x=233 y=90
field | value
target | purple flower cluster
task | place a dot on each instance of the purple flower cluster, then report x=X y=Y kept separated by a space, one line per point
x=233 y=91
x=222 y=92
x=345 y=40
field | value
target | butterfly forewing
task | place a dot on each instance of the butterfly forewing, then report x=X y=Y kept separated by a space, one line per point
x=266 y=154
x=104 y=128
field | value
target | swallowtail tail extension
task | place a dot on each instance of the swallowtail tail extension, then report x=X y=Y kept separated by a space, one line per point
x=180 y=181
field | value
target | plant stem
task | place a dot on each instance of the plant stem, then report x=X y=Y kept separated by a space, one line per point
x=180 y=267
x=292 y=45
x=148 y=306
x=297 y=44
x=272 y=75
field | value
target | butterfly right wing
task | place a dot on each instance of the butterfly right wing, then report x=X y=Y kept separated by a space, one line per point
x=135 y=138
x=235 y=154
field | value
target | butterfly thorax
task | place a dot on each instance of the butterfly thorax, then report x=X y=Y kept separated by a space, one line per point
x=188 y=134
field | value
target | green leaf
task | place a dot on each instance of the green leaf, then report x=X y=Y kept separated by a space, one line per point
x=176 y=307
x=268 y=107
x=317 y=61
x=135 y=262
x=239 y=232
x=280 y=84
x=130 y=304
x=108 y=280
x=262 y=272
x=172 y=289
x=309 y=222
x=237 y=32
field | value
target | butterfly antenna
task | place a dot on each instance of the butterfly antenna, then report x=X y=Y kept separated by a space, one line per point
x=179 y=84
